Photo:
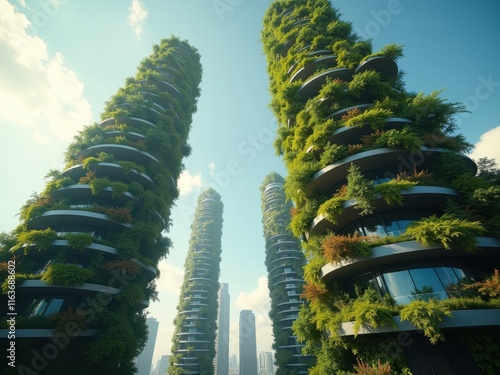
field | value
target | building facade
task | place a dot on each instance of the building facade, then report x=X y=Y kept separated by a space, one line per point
x=87 y=248
x=221 y=360
x=284 y=263
x=144 y=360
x=162 y=365
x=193 y=344
x=398 y=224
x=247 y=343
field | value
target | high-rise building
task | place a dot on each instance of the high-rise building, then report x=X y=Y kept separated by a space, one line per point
x=193 y=343
x=221 y=360
x=266 y=363
x=247 y=343
x=162 y=365
x=233 y=362
x=399 y=229
x=144 y=360
x=284 y=262
x=88 y=245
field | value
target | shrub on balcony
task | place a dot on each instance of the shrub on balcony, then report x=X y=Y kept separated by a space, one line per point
x=79 y=241
x=66 y=274
x=426 y=315
x=41 y=238
x=446 y=230
x=339 y=247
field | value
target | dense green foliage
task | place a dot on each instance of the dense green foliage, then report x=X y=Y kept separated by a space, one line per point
x=329 y=129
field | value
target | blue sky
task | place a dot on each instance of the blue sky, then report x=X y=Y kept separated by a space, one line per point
x=61 y=60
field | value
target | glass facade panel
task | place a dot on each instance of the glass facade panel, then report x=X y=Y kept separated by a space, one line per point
x=54 y=306
x=427 y=284
x=374 y=227
x=400 y=286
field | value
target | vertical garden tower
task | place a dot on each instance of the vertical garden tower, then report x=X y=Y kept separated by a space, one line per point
x=284 y=262
x=399 y=227
x=87 y=248
x=193 y=343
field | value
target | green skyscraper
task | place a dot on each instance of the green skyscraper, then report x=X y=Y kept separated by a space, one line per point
x=87 y=248
x=193 y=343
x=400 y=232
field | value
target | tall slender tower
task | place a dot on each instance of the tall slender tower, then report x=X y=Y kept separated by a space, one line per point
x=400 y=234
x=221 y=361
x=87 y=248
x=248 y=343
x=143 y=361
x=284 y=262
x=193 y=344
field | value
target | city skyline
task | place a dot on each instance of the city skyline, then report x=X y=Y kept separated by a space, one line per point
x=70 y=86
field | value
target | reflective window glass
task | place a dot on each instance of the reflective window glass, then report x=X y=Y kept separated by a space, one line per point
x=427 y=284
x=400 y=286
x=54 y=306
x=375 y=227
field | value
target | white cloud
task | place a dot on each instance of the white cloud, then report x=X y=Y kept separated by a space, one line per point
x=257 y=300
x=171 y=278
x=136 y=17
x=187 y=183
x=487 y=146
x=211 y=168
x=37 y=89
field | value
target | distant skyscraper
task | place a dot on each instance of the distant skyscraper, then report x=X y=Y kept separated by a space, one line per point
x=193 y=344
x=266 y=363
x=248 y=343
x=163 y=363
x=284 y=262
x=233 y=362
x=221 y=361
x=143 y=360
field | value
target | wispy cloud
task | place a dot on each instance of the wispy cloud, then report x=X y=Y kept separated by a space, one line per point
x=487 y=146
x=37 y=89
x=136 y=17
x=187 y=182
x=170 y=278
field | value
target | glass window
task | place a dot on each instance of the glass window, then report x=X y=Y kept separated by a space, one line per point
x=391 y=225
x=375 y=227
x=54 y=306
x=400 y=286
x=427 y=284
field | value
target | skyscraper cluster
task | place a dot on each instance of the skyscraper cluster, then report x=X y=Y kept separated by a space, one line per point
x=381 y=243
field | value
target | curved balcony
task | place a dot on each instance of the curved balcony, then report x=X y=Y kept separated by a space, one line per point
x=386 y=66
x=56 y=218
x=308 y=70
x=418 y=197
x=393 y=160
x=353 y=134
x=111 y=170
x=409 y=252
x=312 y=86
x=84 y=191
x=460 y=319
x=156 y=99
x=23 y=333
x=131 y=121
x=164 y=86
x=132 y=136
x=337 y=115
x=36 y=286
x=120 y=151
x=128 y=106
